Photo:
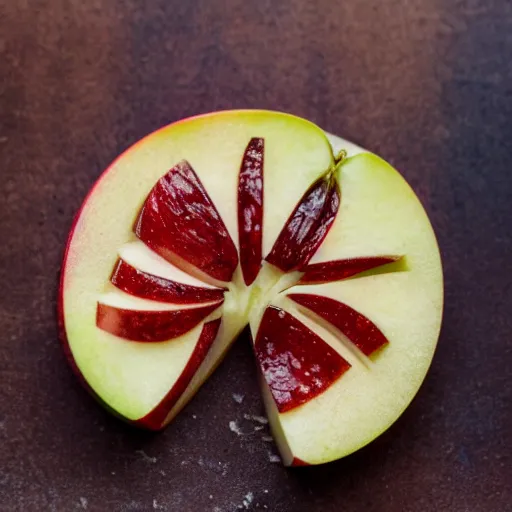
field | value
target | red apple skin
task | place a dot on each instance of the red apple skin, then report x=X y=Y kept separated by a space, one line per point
x=141 y=284
x=155 y=419
x=296 y=462
x=180 y=223
x=361 y=331
x=329 y=271
x=250 y=209
x=307 y=226
x=296 y=363
x=150 y=326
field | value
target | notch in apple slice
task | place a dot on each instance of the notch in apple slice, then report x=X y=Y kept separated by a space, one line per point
x=143 y=273
x=142 y=320
x=180 y=223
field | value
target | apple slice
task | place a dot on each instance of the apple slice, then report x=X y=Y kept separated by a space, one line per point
x=180 y=223
x=361 y=331
x=141 y=272
x=250 y=210
x=330 y=271
x=296 y=363
x=307 y=226
x=141 y=320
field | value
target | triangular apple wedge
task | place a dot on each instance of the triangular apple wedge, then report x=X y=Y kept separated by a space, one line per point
x=260 y=218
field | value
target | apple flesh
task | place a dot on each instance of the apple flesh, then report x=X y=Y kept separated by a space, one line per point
x=342 y=338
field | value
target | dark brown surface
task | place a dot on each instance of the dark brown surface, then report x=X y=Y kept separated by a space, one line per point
x=426 y=83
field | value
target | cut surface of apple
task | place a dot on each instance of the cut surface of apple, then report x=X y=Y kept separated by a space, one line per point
x=259 y=218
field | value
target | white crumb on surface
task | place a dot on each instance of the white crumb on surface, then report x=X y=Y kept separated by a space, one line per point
x=257 y=428
x=146 y=457
x=248 y=499
x=258 y=419
x=233 y=426
x=211 y=496
x=238 y=398
x=83 y=503
x=266 y=491
x=194 y=416
x=266 y=439
x=272 y=457
x=156 y=506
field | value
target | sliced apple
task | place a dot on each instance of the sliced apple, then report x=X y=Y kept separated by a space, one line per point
x=344 y=310
x=187 y=225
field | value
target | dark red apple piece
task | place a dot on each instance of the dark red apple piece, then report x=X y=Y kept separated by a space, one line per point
x=141 y=284
x=307 y=226
x=330 y=271
x=180 y=223
x=361 y=331
x=154 y=420
x=296 y=363
x=150 y=326
x=250 y=209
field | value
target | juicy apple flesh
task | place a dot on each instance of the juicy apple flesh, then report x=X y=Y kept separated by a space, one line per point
x=229 y=237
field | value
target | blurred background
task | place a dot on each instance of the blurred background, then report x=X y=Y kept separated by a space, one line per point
x=427 y=84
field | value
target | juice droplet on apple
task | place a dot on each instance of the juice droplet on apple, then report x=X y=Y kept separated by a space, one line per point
x=156 y=418
x=148 y=286
x=150 y=326
x=330 y=271
x=361 y=331
x=296 y=363
x=180 y=223
x=250 y=209
x=307 y=226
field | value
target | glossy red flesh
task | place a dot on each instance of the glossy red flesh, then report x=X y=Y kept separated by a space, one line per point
x=363 y=333
x=155 y=419
x=250 y=209
x=330 y=271
x=296 y=363
x=307 y=226
x=150 y=326
x=141 y=284
x=179 y=222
